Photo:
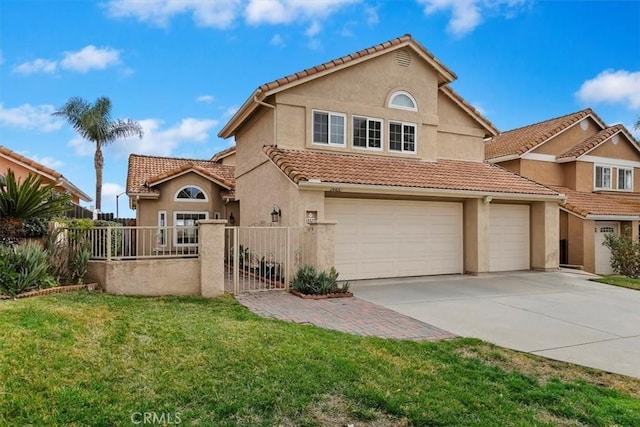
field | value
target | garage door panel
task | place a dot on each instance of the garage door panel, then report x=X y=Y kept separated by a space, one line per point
x=509 y=241
x=396 y=238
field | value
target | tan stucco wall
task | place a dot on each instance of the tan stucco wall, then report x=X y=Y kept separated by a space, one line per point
x=545 y=233
x=583 y=173
x=581 y=242
x=564 y=225
x=255 y=134
x=476 y=236
x=512 y=165
x=211 y=257
x=567 y=139
x=542 y=172
x=622 y=150
x=147 y=210
x=152 y=277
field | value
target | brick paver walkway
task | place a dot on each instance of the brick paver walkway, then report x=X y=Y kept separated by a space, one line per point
x=350 y=315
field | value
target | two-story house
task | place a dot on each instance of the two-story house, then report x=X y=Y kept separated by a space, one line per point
x=596 y=166
x=378 y=142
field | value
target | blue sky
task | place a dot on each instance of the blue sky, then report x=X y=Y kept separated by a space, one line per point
x=182 y=67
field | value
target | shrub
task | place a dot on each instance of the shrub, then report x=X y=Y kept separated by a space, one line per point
x=625 y=255
x=312 y=282
x=24 y=267
x=68 y=256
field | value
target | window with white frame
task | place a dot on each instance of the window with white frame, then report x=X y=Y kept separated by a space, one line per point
x=191 y=193
x=367 y=133
x=402 y=137
x=625 y=179
x=403 y=100
x=603 y=177
x=185 y=227
x=162 y=229
x=328 y=128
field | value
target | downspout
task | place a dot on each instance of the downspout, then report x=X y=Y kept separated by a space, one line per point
x=275 y=118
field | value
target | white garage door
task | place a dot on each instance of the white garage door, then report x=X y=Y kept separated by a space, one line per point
x=385 y=238
x=509 y=237
x=602 y=253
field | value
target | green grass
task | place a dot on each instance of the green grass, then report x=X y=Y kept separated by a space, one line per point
x=92 y=359
x=621 y=281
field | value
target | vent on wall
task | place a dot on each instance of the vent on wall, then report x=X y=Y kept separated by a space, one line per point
x=403 y=58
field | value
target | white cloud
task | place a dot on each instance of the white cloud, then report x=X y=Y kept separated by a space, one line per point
x=277 y=40
x=161 y=141
x=31 y=117
x=612 y=87
x=90 y=58
x=229 y=112
x=82 y=147
x=47 y=161
x=205 y=13
x=286 y=11
x=36 y=66
x=207 y=99
x=110 y=190
x=372 y=15
x=466 y=15
x=313 y=30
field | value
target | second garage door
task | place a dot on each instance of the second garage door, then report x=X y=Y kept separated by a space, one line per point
x=386 y=238
x=509 y=237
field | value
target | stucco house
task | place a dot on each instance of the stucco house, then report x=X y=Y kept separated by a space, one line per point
x=167 y=192
x=595 y=165
x=379 y=143
x=22 y=167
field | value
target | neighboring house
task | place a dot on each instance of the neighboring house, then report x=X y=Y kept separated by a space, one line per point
x=596 y=166
x=225 y=157
x=22 y=167
x=168 y=192
x=378 y=142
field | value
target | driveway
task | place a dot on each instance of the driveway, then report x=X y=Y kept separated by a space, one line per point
x=559 y=315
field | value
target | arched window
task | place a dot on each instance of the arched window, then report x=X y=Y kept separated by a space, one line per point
x=191 y=193
x=403 y=100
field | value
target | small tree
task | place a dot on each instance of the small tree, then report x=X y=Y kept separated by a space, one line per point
x=625 y=255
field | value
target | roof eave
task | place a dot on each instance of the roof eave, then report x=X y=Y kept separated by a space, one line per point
x=504 y=158
x=489 y=127
x=610 y=217
x=218 y=180
x=241 y=115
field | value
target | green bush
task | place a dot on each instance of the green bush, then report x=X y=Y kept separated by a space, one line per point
x=68 y=255
x=310 y=281
x=24 y=267
x=625 y=255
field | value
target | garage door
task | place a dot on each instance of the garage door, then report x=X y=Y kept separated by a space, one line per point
x=509 y=237
x=602 y=253
x=384 y=238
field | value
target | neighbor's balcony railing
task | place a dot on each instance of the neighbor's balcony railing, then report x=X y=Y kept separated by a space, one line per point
x=135 y=242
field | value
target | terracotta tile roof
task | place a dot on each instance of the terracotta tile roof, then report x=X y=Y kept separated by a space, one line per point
x=146 y=170
x=64 y=182
x=384 y=171
x=519 y=141
x=588 y=203
x=348 y=58
x=591 y=142
x=224 y=153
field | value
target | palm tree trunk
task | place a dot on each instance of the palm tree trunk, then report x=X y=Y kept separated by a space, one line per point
x=98 y=162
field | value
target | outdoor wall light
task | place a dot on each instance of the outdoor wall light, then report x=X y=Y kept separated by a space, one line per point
x=232 y=220
x=276 y=214
x=487 y=199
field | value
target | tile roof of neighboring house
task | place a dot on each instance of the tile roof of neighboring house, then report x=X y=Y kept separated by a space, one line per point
x=45 y=171
x=224 y=153
x=519 y=141
x=384 y=171
x=586 y=203
x=591 y=142
x=446 y=76
x=146 y=170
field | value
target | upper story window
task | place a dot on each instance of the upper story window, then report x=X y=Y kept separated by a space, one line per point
x=328 y=128
x=603 y=178
x=191 y=194
x=403 y=100
x=402 y=137
x=625 y=179
x=367 y=133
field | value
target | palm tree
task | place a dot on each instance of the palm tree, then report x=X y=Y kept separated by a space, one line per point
x=637 y=125
x=93 y=122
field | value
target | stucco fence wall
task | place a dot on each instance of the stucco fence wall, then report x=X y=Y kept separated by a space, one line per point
x=201 y=276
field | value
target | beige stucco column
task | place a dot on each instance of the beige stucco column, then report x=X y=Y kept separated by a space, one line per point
x=321 y=248
x=476 y=236
x=211 y=255
x=545 y=236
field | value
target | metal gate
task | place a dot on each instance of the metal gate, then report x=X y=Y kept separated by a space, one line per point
x=263 y=258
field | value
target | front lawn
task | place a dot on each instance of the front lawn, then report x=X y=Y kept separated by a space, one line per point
x=621 y=281
x=93 y=359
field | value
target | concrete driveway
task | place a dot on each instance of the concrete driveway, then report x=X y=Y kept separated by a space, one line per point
x=560 y=315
